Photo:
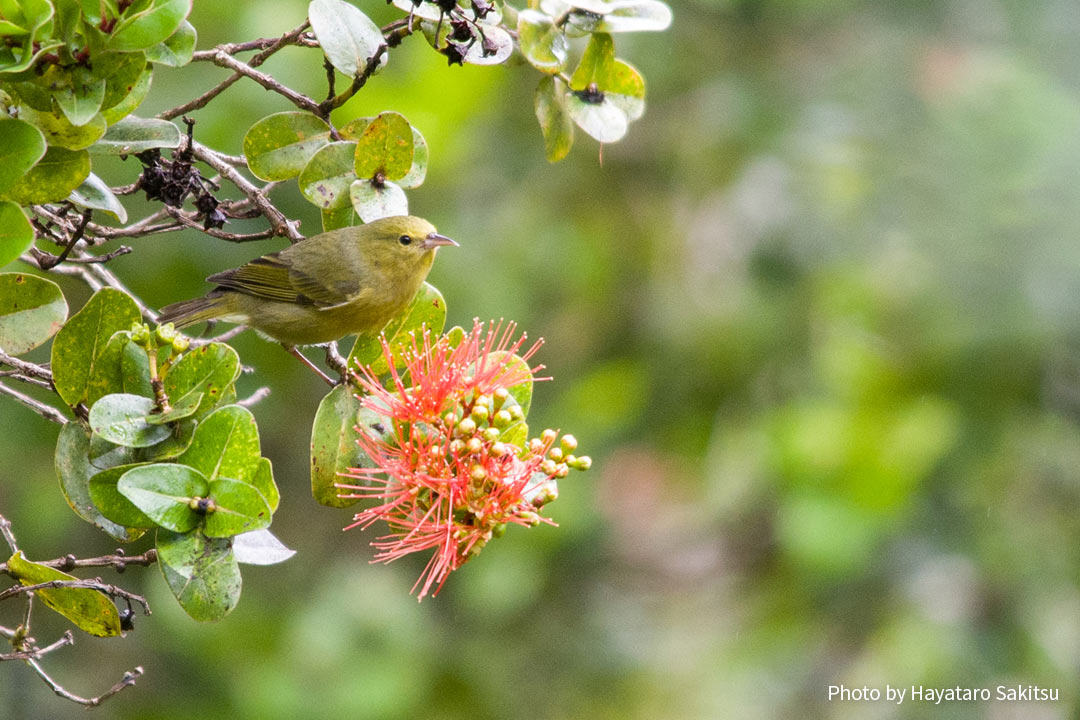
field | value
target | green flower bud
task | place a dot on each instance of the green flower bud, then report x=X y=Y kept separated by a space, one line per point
x=478 y=473
x=583 y=463
x=502 y=419
x=456 y=446
x=466 y=427
x=530 y=517
x=180 y=343
x=474 y=445
x=516 y=412
x=548 y=467
x=140 y=334
x=499 y=397
x=491 y=434
x=556 y=454
x=165 y=334
x=568 y=443
x=536 y=446
x=479 y=413
x=450 y=419
x=548 y=436
x=499 y=530
x=571 y=460
x=498 y=449
x=562 y=470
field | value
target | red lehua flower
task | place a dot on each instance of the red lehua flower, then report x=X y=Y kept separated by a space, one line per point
x=446 y=477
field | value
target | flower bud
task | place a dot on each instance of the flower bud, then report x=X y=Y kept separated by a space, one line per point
x=474 y=445
x=562 y=470
x=571 y=460
x=180 y=343
x=466 y=427
x=165 y=334
x=140 y=334
x=548 y=436
x=530 y=517
x=556 y=454
x=479 y=413
x=568 y=443
x=491 y=434
x=502 y=419
x=536 y=446
x=478 y=473
x=456 y=446
x=516 y=412
x=498 y=449
x=548 y=467
x=582 y=463
x=450 y=419
x=499 y=530
x=499 y=397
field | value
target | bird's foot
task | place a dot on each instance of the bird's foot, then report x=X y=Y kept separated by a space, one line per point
x=336 y=362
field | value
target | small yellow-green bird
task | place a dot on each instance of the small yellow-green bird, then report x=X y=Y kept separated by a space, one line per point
x=337 y=283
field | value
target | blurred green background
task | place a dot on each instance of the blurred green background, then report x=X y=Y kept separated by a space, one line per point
x=817 y=321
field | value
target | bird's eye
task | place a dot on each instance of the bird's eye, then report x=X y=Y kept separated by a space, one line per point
x=405 y=240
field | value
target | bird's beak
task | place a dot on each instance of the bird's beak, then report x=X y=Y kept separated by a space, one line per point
x=434 y=240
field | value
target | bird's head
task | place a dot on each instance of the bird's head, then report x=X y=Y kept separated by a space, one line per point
x=408 y=239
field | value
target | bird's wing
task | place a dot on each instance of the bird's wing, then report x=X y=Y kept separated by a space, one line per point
x=274 y=278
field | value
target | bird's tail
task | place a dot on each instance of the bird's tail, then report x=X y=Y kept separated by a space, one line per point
x=189 y=312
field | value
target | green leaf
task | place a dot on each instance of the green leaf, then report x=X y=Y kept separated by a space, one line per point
x=555 y=122
x=54 y=177
x=32 y=309
x=264 y=483
x=325 y=180
x=608 y=16
x=150 y=26
x=625 y=88
x=201 y=572
x=108 y=500
x=542 y=44
x=385 y=146
x=135 y=94
x=333 y=445
x=207 y=370
x=347 y=36
x=602 y=120
x=59 y=131
x=260 y=547
x=135 y=371
x=280 y=145
x=33 y=16
x=121 y=419
x=596 y=62
x=239 y=508
x=95 y=193
x=73 y=469
x=164 y=492
x=186 y=408
x=226 y=444
x=521 y=393
x=83 y=338
x=334 y=219
x=90 y=610
x=80 y=100
x=418 y=170
x=121 y=72
x=177 y=49
x=371 y=202
x=16 y=232
x=134 y=134
x=21 y=146
x=107 y=377
x=427 y=309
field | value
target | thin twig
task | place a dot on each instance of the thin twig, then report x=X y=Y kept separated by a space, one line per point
x=358 y=82
x=127 y=680
x=9 y=537
x=46 y=411
x=16 y=375
x=281 y=224
x=36 y=653
x=26 y=368
x=118 y=562
x=80 y=584
x=183 y=219
x=223 y=337
x=223 y=59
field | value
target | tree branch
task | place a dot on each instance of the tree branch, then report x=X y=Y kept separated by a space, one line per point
x=46 y=411
x=127 y=680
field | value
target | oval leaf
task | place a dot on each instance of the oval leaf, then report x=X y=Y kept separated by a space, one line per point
x=280 y=145
x=226 y=444
x=208 y=371
x=239 y=508
x=372 y=203
x=21 y=145
x=81 y=99
x=73 y=469
x=264 y=483
x=177 y=49
x=164 y=492
x=135 y=94
x=90 y=610
x=201 y=572
x=386 y=147
x=602 y=120
x=108 y=500
x=555 y=122
x=134 y=134
x=347 y=36
x=542 y=44
x=121 y=419
x=416 y=174
x=333 y=445
x=32 y=309
x=84 y=337
x=107 y=376
x=150 y=26
x=95 y=194
x=60 y=132
x=53 y=178
x=325 y=180
x=260 y=547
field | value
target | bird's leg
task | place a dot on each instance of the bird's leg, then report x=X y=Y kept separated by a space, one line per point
x=300 y=356
x=336 y=362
